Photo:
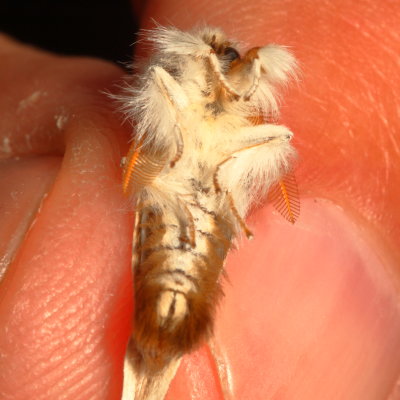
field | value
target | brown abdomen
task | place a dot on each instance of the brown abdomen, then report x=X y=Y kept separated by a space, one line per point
x=177 y=282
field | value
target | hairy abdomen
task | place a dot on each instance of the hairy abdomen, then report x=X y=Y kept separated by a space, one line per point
x=177 y=278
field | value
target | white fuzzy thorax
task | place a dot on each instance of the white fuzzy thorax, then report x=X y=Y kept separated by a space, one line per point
x=168 y=98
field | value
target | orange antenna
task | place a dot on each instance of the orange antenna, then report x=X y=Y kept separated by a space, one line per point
x=139 y=169
x=284 y=195
x=131 y=159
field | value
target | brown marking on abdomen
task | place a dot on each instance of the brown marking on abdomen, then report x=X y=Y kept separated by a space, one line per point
x=161 y=339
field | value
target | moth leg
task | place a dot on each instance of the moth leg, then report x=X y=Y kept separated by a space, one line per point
x=141 y=168
x=264 y=133
x=179 y=147
x=177 y=99
x=169 y=87
x=216 y=67
x=231 y=201
x=256 y=73
x=180 y=43
x=235 y=212
x=191 y=226
x=262 y=142
x=250 y=167
x=136 y=239
x=251 y=62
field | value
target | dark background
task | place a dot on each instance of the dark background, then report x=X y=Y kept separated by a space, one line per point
x=98 y=28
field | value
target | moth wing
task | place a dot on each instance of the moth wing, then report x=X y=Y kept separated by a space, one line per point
x=284 y=196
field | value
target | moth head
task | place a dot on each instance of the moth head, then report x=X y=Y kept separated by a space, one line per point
x=225 y=49
x=275 y=64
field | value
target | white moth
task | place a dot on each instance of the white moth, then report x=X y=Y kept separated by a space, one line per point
x=202 y=154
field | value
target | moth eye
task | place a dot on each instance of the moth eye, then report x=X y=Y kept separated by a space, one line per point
x=231 y=54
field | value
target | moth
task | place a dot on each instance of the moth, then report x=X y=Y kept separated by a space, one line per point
x=204 y=151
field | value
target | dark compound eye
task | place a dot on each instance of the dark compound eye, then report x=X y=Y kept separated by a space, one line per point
x=231 y=54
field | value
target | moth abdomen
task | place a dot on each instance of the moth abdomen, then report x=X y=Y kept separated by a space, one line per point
x=170 y=322
x=177 y=287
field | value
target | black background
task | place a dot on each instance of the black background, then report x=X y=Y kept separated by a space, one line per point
x=98 y=28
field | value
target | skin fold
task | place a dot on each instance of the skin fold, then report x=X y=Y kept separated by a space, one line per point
x=310 y=310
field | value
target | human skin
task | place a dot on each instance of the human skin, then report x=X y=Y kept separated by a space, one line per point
x=310 y=311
